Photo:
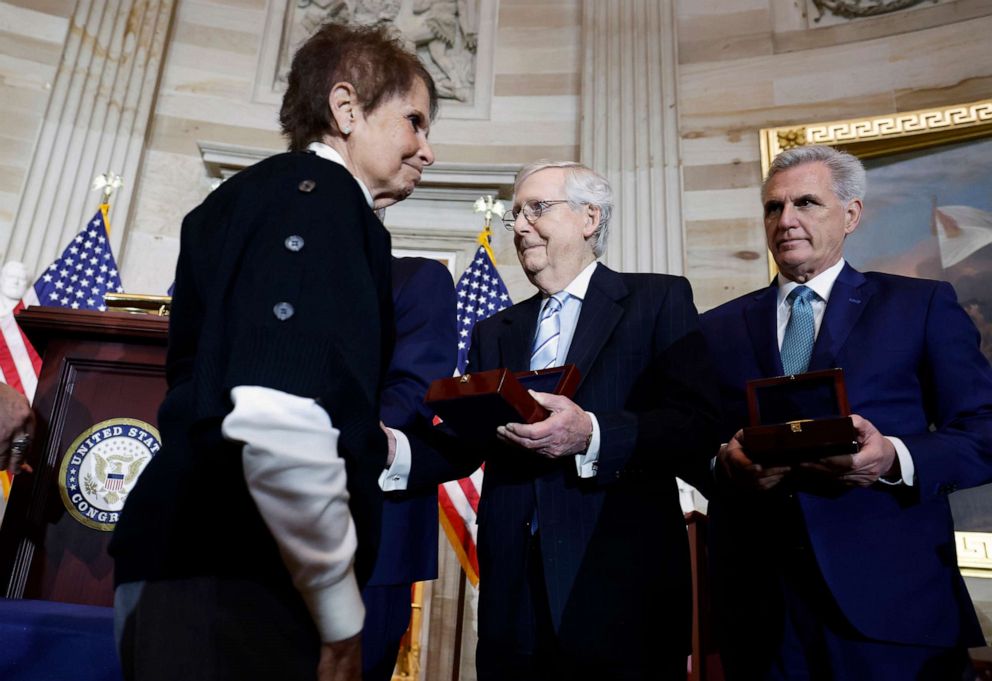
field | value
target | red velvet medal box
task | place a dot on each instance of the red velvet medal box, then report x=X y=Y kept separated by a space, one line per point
x=475 y=404
x=802 y=417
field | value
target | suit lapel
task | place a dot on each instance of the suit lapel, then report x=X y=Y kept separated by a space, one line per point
x=762 y=326
x=848 y=299
x=517 y=334
x=600 y=314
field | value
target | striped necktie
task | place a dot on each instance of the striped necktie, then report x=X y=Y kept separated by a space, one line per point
x=800 y=332
x=545 y=350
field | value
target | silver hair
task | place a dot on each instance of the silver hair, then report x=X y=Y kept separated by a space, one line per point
x=583 y=187
x=846 y=171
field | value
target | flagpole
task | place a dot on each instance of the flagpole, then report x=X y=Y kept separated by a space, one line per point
x=108 y=182
x=486 y=204
x=85 y=271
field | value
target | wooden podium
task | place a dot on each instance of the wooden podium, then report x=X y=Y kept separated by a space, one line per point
x=97 y=366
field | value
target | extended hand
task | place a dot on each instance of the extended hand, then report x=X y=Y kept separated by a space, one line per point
x=341 y=660
x=875 y=458
x=734 y=463
x=16 y=429
x=566 y=431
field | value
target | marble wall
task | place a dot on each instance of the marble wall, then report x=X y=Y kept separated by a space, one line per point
x=760 y=63
x=206 y=96
x=740 y=66
x=32 y=36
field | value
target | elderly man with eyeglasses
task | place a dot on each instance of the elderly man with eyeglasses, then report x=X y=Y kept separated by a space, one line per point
x=583 y=555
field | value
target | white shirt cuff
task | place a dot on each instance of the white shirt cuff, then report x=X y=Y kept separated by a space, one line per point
x=715 y=459
x=690 y=498
x=335 y=608
x=906 y=466
x=299 y=484
x=397 y=476
x=587 y=463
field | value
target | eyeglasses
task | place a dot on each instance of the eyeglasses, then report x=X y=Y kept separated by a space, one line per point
x=532 y=210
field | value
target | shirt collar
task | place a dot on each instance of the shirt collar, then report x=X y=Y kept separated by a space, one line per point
x=822 y=284
x=325 y=151
x=578 y=287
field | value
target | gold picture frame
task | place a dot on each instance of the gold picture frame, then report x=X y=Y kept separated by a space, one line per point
x=886 y=135
x=881 y=135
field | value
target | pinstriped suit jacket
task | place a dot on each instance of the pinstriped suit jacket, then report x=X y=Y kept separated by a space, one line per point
x=614 y=547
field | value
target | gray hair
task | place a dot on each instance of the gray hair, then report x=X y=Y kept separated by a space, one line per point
x=846 y=171
x=583 y=187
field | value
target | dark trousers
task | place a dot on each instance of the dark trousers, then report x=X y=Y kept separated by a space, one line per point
x=820 y=644
x=813 y=640
x=214 y=629
x=387 y=616
x=544 y=658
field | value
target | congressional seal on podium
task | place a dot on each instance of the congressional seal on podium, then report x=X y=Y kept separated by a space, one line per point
x=101 y=466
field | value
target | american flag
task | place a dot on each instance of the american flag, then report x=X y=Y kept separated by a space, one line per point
x=480 y=294
x=19 y=368
x=83 y=274
x=78 y=279
x=19 y=363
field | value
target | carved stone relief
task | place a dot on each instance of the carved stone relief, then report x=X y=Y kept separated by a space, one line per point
x=856 y=9
x=453 y=38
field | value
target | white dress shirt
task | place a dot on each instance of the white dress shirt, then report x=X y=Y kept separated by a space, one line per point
x=328 y=152
x=822 y=284
x=585 y=462
x=299 y=484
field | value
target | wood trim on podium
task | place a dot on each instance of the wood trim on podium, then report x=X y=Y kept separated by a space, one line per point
x=42 y=323
x=96 y=366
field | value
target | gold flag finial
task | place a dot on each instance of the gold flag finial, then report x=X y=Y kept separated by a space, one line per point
x=485 y=204
x=108 y=182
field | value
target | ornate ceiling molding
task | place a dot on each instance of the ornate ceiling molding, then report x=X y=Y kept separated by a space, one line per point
x=441 y=181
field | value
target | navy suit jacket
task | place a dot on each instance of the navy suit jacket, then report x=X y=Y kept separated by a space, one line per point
x=426 y=349
x=913 y=368
x=614 y=547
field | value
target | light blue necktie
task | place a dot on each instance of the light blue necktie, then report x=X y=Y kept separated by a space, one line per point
x=545 y=353
x=800 y=332
x=545 y=350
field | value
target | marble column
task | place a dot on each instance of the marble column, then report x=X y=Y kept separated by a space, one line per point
x=97 y=116
x=629 y=128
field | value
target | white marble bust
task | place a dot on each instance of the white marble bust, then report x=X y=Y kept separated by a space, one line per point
x=14 y=282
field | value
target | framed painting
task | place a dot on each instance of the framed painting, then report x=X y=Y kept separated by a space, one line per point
x=928 y=213
x=447 y=258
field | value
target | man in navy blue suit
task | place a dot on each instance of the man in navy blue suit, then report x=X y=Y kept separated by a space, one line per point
x=845 y=568
x=426 y=349
x=583 y=554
